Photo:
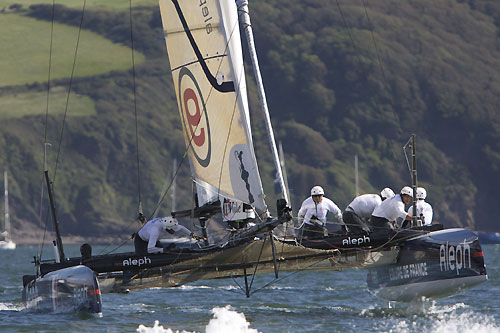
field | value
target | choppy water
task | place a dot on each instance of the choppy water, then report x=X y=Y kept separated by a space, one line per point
x=302 y=302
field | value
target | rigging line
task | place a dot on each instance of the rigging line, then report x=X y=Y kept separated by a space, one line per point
x=191 y=137
x=40 y=249
x=135 y=111
x=406 y=155
x=241 y=288
x=283 y=243
x=293 y=273
x=46 y=126
x=258 y=261
x=356 y=52
x=69 y=91
x=386 y=85
x=378 y=56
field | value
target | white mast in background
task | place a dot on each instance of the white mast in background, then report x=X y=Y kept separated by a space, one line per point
x=356 y=176
x=7 y=217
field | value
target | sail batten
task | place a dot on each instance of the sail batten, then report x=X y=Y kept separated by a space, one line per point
x=204 y=49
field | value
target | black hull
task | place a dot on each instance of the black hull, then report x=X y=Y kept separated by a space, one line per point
x=433 y=266
x=65 y=290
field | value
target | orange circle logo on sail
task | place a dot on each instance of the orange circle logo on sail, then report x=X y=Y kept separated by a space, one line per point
x=194 y=117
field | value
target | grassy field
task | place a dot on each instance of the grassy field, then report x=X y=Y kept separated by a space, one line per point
x=90 y=4
x=17 y=106
x=24 y=56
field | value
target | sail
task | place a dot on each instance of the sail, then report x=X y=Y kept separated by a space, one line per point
x=204 y=49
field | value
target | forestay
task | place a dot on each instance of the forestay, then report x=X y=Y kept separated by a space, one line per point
x=204 y=49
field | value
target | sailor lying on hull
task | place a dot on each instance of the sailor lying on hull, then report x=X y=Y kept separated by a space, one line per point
x=146 y=240
x=314 y=210
x=385 y=215
x=360 y=209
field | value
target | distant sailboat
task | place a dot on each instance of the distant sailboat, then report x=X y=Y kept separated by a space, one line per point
x=5 y=242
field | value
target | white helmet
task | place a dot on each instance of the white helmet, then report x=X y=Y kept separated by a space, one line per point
x=169 y=222
x=387 y=193
x=317 y=190
x=421 y=193
x=407 y=190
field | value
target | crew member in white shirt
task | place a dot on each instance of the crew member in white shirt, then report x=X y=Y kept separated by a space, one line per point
x=424 y=209
x=314 y=210
x=360 y=209
x=146 y=240
x=384 y=215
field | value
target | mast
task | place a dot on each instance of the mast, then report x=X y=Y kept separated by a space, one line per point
x=356 y=176
x=245 y=21
x=283 y=168
x=414 y=183
x=6 y=217
x=54 y=217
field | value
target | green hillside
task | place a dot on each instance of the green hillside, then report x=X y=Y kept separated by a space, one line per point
x=339 y=83
x=90 y=4
x=27 y=36
x=35 y=103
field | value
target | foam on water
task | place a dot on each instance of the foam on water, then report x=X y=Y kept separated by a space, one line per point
x=435 y=319
x=157 y=328
x=188 y=287
x=228 y=321
x=467 y=322
x=225 y=320
x=11 y=306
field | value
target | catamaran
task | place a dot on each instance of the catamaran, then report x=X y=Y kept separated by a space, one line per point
x=231 y=214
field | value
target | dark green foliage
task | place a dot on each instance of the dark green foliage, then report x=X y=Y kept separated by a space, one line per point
x=338 y=83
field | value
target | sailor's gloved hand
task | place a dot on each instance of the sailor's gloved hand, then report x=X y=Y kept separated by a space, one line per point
x=198 y=238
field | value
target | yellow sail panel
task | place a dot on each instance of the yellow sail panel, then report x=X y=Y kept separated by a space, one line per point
x=204 y=50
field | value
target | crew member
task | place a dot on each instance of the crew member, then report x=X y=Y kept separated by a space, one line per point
x=358 y=212
x=146 y=240
x=424 y=209
x=385 y=215
x=314 y=210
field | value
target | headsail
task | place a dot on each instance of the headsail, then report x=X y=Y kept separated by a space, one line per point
x=204 y=49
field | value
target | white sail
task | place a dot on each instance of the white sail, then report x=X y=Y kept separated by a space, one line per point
x=204 y=49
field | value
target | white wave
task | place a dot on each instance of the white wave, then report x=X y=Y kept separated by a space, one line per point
x=225 y=320
x=11 y=307
x=447 y=308
x=185 y=287
x=157 y=328
x=228 y=321
x=230 y=287
x=279 y=288
x=466 y=322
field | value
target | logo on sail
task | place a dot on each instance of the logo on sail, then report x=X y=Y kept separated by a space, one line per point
x=194 y=117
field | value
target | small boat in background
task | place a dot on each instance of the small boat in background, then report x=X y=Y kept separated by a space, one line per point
x=489 y=237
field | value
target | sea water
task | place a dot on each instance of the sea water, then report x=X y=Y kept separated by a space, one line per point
x=328 y=301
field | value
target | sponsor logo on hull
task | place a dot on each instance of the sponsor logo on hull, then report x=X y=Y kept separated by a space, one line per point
x=136 y=262
x=454 y=257
x=356 y=241
x=408 y=271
